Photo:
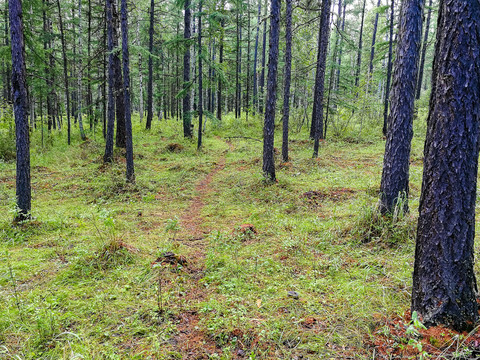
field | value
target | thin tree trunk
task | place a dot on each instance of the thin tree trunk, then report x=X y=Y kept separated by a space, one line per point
x=120 y=138
x=187 y=115
x=424 y=51
x=219 y=87
x=65 y=71
x=389 y=72
x=126 y=92
x=108 y=156
x=150 y=67
x=255 y=57
x=200 y=85
x=264 y=50
x=80 y=73
x=288 y=75
x=360 y=47
x=140 y=74
x=320 y=76
x=374 y=35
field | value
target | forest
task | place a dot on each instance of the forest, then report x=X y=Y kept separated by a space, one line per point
x=239 y=179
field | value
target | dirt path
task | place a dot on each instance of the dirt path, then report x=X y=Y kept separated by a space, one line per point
x=192 y=341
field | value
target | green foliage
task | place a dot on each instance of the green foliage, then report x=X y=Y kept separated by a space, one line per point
x=7 y=135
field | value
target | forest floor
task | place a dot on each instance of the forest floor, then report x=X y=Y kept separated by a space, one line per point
x=201 y=259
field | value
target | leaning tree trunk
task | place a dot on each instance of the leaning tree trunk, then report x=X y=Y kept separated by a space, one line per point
x=150 y=68
x=317 y=117
x=126 y=92
x=389 y=72
x=374 y=35
x=424 y=51
x=187 y=114
x=444 y=286
x=288 y=76
x=269 y=125
x=20 y=108
x=394 y=186
x=108 y=156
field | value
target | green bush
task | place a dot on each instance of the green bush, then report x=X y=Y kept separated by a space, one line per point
x=7 y=136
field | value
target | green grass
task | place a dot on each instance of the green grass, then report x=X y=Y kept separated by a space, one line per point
x=78 y=281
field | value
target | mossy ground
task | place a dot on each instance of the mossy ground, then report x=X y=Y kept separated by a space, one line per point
x=86 y=278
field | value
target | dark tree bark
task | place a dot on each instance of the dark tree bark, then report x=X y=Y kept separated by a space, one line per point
x=89 y=68
x=108 y=156
x=20 y=108
x=150 y=68
x=120 y=139
x=126 y=92
x=269 y=125
x=424 y=51
x=444 y=285
x=389 y=71
x=288 y=76
x=200 y=84
x=374 y=35
x=247 y=98
x=317 y=116
x=394 y=186
x=65 y=71
x=187 y=115
x=80 y=73
x=264 y=51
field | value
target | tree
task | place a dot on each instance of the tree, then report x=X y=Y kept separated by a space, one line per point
x=200 y=89
x=424 y=51
x=150 y=68
x=126 y=92
x=65 y=71
x=394 y=186
x=20 y=108
x=389 y=71
x=269 y=124
x=187 y=115
x=108 y=156
x=317 y=116
x=288 y=75
x=444 y=285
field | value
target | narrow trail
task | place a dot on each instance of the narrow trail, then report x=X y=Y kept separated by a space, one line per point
x=192 y=341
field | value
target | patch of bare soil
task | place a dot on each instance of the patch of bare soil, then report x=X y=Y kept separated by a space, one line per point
x=315 y=197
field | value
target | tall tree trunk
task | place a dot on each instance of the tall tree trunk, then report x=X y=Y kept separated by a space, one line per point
x=317 y=117
x=126 y=92
x=424 y=51
x=288 y=75
x=269 y=125
x=374 y=35
x=65 y=71
x=200 y=76
x=239 y=62
x=80 y=73
x=360 y=48
x=20 y=108
x=120 y=139
x=389 y=71
x=46 y=66
x=264 y=50
x=444 y=287
x=340 y=51
x=140 y=74
x=255 y=57
x=8 y=74
x=247 y=98
x=108 y=156
x=104 y=84
x=219 y=86
x=150 y=67
x=187 y=114
x=89 y=68
x=394 y=186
